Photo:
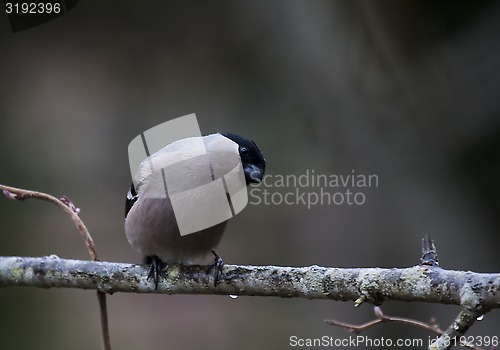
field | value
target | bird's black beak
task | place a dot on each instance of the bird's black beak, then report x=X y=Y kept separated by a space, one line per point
x=253 y=174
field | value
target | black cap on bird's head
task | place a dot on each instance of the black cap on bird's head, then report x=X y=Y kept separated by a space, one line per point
x=254 y=163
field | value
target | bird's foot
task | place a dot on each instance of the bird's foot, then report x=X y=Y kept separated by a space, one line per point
x=217 y=265
x=155 y=270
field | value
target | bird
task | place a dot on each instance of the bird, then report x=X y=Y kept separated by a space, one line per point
x=150 y=222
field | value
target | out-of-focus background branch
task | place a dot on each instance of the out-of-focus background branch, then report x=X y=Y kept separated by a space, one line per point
x=404 y=90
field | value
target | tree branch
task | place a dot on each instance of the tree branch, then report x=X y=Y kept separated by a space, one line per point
x=478 y=292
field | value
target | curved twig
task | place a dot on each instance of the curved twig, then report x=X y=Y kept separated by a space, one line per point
x=67 y=205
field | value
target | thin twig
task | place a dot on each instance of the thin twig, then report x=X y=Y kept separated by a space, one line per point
x=67 y=205
x=105 y=338
x=381 y=317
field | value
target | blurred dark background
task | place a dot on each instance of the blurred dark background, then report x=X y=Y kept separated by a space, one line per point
x=408 y=91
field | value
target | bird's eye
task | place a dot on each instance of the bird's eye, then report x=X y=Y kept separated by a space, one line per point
x=244 y=151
